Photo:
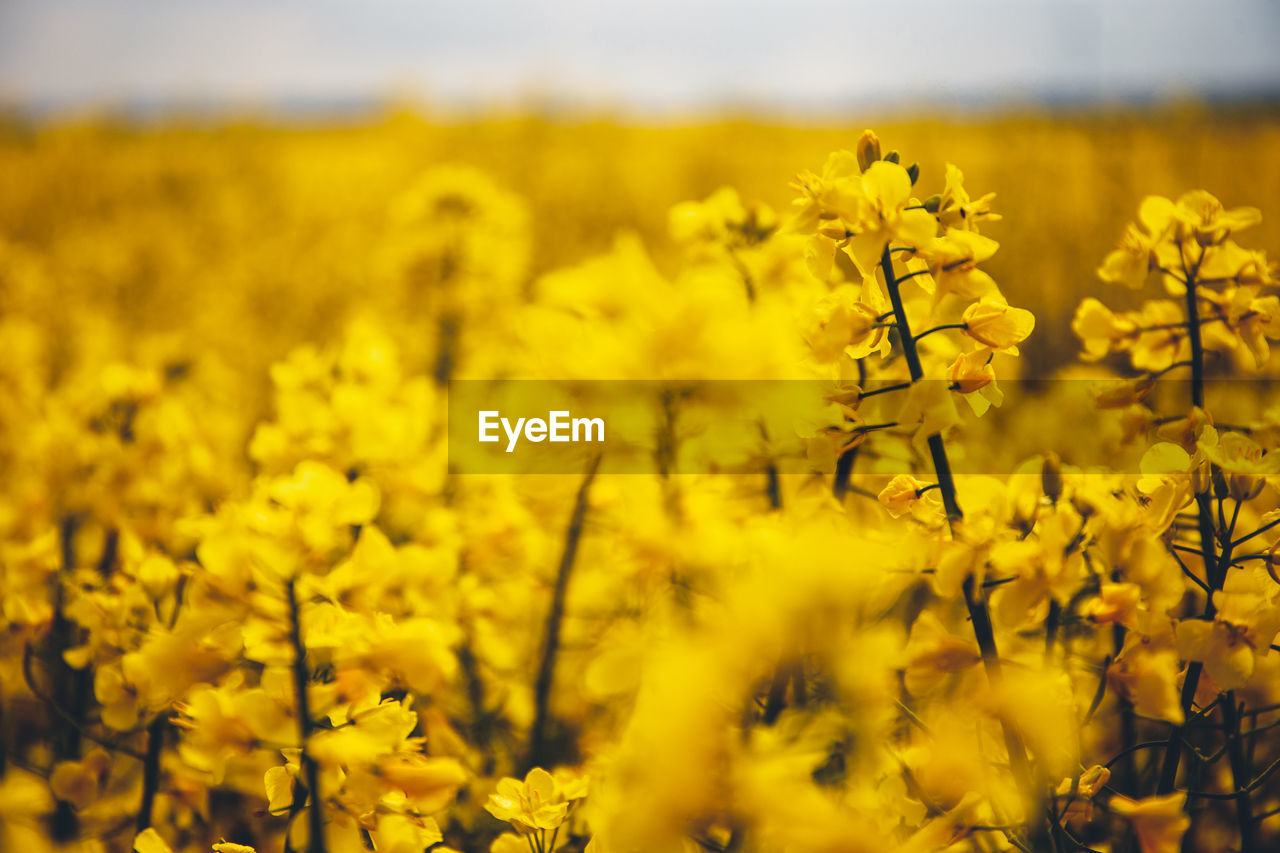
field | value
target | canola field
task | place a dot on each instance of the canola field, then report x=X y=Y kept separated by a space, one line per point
x=1009 y=583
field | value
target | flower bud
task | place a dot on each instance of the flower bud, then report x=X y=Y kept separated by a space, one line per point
x=868 y=150
x=1245 y=487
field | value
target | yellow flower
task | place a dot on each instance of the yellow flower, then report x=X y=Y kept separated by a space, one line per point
x=1122 y=393
x=1162 y=463
x=841 y=324
x=405 y=834
x=78 y=782
x=1100 y=330
x=1259 y=325
x=149 y=841
x=1136 y=256
x=997 y=325
x=902 y=494
x=930 y=408
x=1146 y=673
x=1242 y=630
x=227 y=722
x=953 y=261
x=932 y=653
x=1202 y=217
x=973 y=377
x=884 y=217
x=430 y=782
x=1081 y=790
x=1116 y=602
x=539 y=802
x=324 y=498
x=957 y=210
x=1242 y=460
x=1223 y=648
x=1159 y=822
x=722 y=219
x=835 y=194
x=1161 y=336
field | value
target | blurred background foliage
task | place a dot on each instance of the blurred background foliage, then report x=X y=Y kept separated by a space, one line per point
x=268 y=233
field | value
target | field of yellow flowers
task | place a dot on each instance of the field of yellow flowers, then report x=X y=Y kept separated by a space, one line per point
x=1005 y=579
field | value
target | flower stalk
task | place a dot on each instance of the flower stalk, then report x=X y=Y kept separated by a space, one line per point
x=555 y=617
x=976 y=604
x=151 y=768
x=1215 y=574
x=306 y=726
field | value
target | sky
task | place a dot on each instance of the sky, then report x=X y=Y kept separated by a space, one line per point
x=642 y=54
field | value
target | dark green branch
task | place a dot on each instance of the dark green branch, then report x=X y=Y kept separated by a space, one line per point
x=555 y=616
x=310 y=770
x=151 y=768
x=976 y=605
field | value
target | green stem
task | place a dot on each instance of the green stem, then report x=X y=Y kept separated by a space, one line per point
x=844 y=465
x=1197 y=348
x=941 y=328
x=941 y=465
x=310 y=769
x=1239 y=772
x=1173 y=749
x=555 y=616
x=1216 y=569
x=71 y=690
x=151 y=769
x=1127 y=781
x=844 y=472
x=976 y=604
x=900 y=386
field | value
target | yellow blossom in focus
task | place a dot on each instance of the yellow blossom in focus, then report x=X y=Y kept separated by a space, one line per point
x=886 y=216
x=539 y=802
x=974 y=378
x=902 y=494
x=997 y=325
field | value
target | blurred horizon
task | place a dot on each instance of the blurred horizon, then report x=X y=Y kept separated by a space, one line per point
x=805 y=58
